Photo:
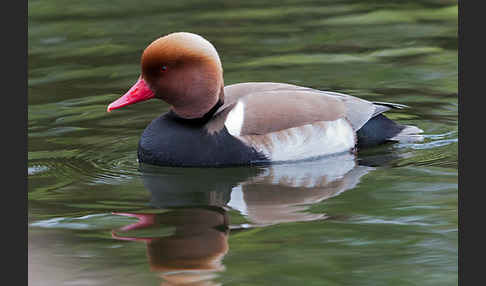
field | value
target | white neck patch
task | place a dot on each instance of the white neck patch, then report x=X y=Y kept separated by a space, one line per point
x=234 y=120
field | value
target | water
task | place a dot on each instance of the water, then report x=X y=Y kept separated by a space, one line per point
x=386 y=217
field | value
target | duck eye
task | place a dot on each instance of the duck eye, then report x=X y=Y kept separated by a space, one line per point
x=163 y=68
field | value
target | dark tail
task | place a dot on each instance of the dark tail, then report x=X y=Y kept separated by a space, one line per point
x=380 y=129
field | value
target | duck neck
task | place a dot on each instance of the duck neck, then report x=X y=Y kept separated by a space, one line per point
x=200 y=120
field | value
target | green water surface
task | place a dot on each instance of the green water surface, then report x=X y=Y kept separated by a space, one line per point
x=386 y=217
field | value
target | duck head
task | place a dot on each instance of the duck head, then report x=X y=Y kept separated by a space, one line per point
x=184 y=70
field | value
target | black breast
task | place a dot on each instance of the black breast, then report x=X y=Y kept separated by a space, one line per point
x=172 y=141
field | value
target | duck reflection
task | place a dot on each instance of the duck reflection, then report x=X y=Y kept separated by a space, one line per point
x=197 y=202
x=194 y=248
x=282 y=193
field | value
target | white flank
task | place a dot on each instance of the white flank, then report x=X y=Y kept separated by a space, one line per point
x=234 y=120
x=307 y=141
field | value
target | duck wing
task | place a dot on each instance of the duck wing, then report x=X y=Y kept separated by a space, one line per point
x=289 y=122
x=268 y=107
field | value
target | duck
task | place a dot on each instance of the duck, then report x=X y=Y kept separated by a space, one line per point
x=209 y=124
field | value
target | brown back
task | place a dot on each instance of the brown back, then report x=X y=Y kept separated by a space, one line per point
x=272 y=111
x=270 y=107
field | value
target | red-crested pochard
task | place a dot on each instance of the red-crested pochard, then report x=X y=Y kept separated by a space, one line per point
x=210 y=124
